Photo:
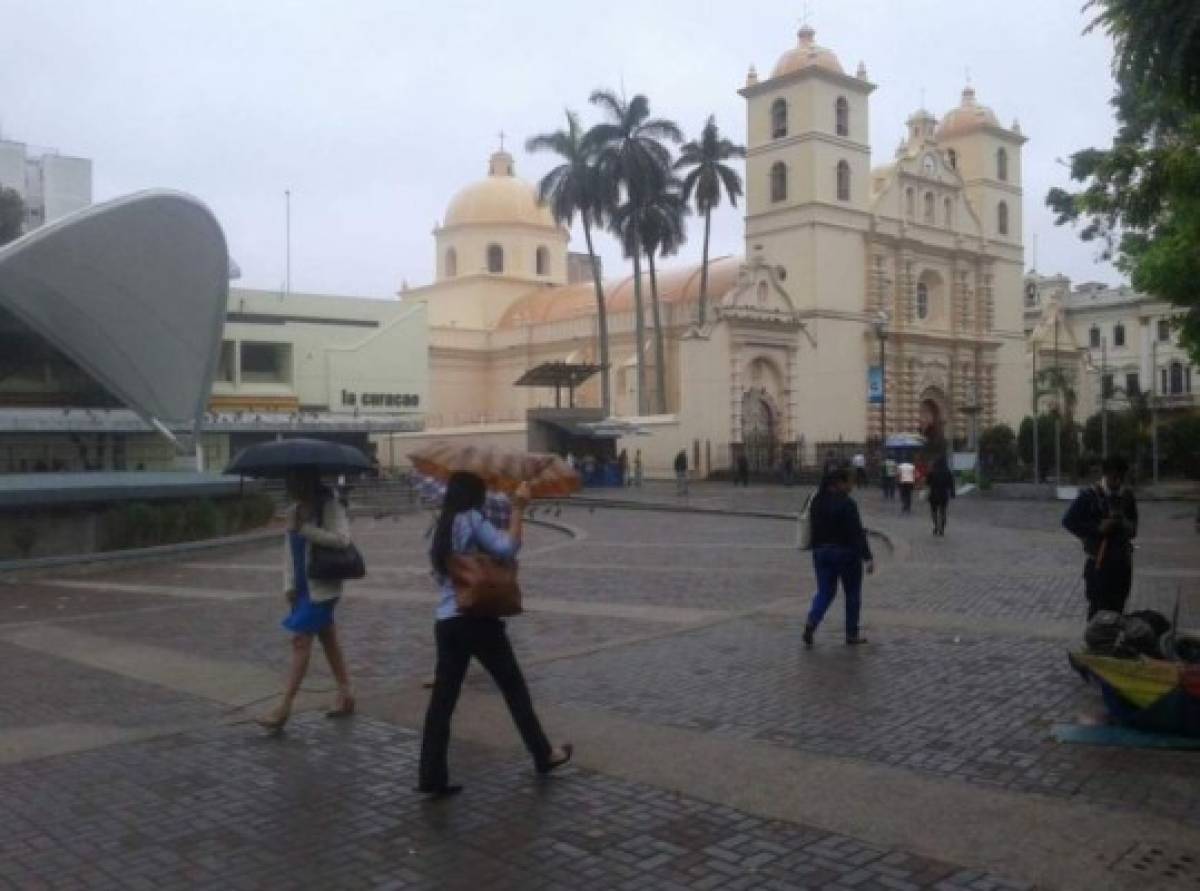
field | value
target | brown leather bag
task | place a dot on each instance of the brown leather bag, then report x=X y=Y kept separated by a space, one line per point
x=484 y=586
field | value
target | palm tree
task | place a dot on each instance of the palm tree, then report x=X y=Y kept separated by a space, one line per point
x=662 y=232
x=632 y=160
x=570 y=188
x=706 y=180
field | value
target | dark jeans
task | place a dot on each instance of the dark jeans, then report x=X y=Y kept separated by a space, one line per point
x=889 y=486
x=906 y=490
x=1107 y=588
x=940 y=510
x=459 y=639
x=831 y=564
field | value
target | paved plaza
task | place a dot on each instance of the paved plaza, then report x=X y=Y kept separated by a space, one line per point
x=713 y=752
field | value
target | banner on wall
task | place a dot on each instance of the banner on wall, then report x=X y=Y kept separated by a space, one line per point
x=875 y=385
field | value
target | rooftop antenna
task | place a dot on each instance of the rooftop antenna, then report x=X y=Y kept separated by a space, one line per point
x=967 y=74
x=502 y=135
x=1034 y=267
x=807 y=19
x=287 y=263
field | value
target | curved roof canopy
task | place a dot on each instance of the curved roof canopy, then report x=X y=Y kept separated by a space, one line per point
x=134 y=291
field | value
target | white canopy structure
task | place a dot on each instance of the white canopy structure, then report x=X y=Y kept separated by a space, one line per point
x=134 y=292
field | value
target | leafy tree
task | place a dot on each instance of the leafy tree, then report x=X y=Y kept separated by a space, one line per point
x=998 y=449
x=1068 y=439
x=1141 y=197
x=705 y=182
x=662 y=232
x=12 y=213
x=574 y=187
x=633 y=164
x=1177 y=445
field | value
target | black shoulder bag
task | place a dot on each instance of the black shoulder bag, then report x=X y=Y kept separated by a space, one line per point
x=326 y=564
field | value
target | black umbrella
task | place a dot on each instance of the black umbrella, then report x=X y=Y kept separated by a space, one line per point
x=275 y=459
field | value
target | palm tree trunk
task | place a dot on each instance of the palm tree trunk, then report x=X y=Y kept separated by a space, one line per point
x=639 y=329
x=660 y=368
x=602 y=319
x=704 y=266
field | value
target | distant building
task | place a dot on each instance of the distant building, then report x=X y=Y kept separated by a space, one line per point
x=1123 y=342
x=50 y=185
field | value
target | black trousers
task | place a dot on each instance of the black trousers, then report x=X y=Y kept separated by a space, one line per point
x=1107 y=588
x=459 y=639
x=939 y=510
x=906 y=490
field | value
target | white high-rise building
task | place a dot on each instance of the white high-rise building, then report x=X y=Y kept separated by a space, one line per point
x=50 y=185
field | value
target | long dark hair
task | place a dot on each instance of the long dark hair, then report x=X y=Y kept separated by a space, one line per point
x=464 y=491
x=834 y=475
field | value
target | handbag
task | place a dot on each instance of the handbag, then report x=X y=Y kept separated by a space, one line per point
x=326 y=564
x=484 y=587
x=804 y=525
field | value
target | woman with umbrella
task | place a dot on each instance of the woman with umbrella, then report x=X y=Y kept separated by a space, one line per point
x=314 y=517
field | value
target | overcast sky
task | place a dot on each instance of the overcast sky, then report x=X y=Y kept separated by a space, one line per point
x=374 y=112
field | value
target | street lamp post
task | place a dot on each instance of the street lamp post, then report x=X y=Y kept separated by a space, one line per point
x=1154 y=407
x=1103 y=397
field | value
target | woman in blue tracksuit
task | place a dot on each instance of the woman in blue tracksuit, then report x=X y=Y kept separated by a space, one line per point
x=840 y=550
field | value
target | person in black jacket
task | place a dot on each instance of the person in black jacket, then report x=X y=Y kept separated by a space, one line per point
x=840 y=550
x=1104 y=517
x=941 y=490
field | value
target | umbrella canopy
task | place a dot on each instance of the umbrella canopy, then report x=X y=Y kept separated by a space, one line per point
x=549 y=476
x=1151 y=694
x=275 y=459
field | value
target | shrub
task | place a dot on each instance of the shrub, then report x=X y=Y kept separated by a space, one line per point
x=202 y=519
x=24 y=538
x=257 y=509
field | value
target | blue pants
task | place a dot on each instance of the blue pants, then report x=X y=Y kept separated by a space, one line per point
x=833 y=563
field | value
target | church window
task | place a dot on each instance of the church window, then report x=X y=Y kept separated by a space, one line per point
x=1164 y=330
x=953 y=157
x=948 y=212
x=1002 y=218
x=451 y=263
x=762 y=293
x=542 y=259
x=1094 y=337
x=495 y=258
x=1176 y=378
x=909 y=203
x=843 y=181
x=929 y=207
x=778 y=119
x=1001 y=165
x=1118 y=335
x=922 y=300
x=779 y=181
x=841 y=113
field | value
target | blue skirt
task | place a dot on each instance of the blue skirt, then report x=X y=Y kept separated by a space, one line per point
x=307 y=617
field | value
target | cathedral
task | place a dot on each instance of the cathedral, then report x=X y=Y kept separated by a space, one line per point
x=869 y=299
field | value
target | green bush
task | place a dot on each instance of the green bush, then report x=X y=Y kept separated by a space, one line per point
x=202 y=519
x=257 y=509
x=24 y=538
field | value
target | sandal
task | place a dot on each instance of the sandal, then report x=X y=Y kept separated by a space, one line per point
x=344 y=707
x=554 y=763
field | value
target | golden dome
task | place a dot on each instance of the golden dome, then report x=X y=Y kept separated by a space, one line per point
x=806 y=55
x=499 y=199
x=969 y=116
x=565 y=302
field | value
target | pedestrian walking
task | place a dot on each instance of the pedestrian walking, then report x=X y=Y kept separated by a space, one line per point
x=314 y=517
x=941 y=490
x=889 y=478
x=743 y=470
x=860 y=469
x=789 y=469
x=840 y=551
x=1104 y=517
x=637 y=468
x=906 y=473
x=462 y=529
x=681 y=473
x=623 y=467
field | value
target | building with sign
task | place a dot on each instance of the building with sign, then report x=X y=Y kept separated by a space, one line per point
x=907 y=275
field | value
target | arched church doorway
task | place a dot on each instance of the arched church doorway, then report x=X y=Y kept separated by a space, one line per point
x=933 y=420
x=760 y=430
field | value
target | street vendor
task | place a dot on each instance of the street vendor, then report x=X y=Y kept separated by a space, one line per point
x=1104 y=517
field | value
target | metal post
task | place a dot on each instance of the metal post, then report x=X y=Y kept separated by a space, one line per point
x=1037 y=478
x=287 y=279
x=1057 y=451
x=1154 y=407
x=1103 y=398
x=199 y=446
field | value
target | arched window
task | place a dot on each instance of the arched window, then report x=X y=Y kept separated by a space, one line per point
x=495 y=258
x=952 y=155
x=843 y=180
x=778 y=119
x=1118 y=335
x=841 y=114
x=779 y=181
x=1001 y=165
x=542 y=261
x=948 y=212
x=1094 y=337
x=1002 y=218
x=762 y=293
x=451 y=263
x=910 y=207
x=929 y=207
x=1176 y=378
x=922 y=300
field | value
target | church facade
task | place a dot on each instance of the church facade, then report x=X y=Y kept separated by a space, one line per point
x=866 y=296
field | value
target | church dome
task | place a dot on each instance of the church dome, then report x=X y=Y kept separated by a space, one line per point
x=498 y=199
x=806 y=55
x=969 y=116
